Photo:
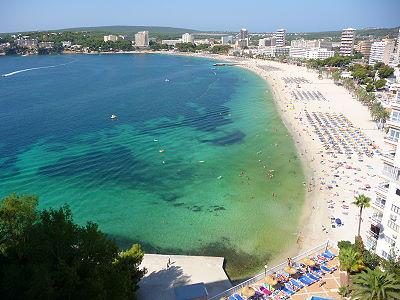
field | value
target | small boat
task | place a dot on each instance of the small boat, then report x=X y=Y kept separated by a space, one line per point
x=161 y=150
x=114 y=117
x=166 y=80
x=219 y=177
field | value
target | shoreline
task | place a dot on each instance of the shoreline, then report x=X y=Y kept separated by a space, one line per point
x=317 y=165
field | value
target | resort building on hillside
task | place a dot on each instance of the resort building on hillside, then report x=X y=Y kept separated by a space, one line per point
x=28 y=43
x=110 y=38
x=142 y=39
x=187 y=38
x=347 y=42
x=280 y=36
x=226 y=40
x=381 y=52
x=384 y=232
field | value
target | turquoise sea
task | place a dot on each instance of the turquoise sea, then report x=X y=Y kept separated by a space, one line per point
x=189 y=167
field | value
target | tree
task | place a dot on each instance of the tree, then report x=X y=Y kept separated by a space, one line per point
x=375 y=285
x=385 y=71
x=336 y=76
x=350 y=260
x=51 y=257
x=361 y=201
x=17 y=213
x=380 y=83
x=220 y=49
x=369 y=87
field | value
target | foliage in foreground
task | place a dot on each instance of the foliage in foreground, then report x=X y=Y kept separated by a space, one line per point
x=45 y=255
x=375 y=284
x=372 y=277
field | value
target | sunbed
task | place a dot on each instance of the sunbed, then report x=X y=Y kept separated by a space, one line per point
x=312 y=276
x=297 y=283
x=306 y=280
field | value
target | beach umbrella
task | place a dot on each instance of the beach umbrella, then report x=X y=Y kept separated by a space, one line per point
x=290 y=270
x=308 y=262
x=247 y=291
x=269 y=280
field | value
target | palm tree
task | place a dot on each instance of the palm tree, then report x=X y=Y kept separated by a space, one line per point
x=361 y=201
x=350 y=260
x=375 y=285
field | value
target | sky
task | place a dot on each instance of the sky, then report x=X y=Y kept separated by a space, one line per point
x=210 y=15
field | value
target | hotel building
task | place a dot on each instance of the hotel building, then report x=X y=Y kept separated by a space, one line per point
x=347 y=42
x=187 y=38
x=142 y=39
x=243 y=34
x=381 y=52
x=384 y=232
x=111 y=38
x=226 y=40
x=280 y=36
x=365 y=48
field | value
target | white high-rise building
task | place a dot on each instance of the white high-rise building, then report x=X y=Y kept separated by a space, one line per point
x=381 y=52
x=280 y=35
x=187 y=38
x=226 y=39
x=142 y=39
x=384 y=233
x=111 y=38
x=347 y=42
x=243 y=34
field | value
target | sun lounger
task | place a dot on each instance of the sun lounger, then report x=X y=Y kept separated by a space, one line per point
x=313 y=277
x=287 y=291
x=306 y=280
x=297 y=283
x=232 y=297
x=329 y=253
x=265 y=291
x=238 y=297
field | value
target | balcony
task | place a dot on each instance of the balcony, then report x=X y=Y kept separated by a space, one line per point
x=391 y=140
x=372 y=235
x=388 y=157
x=382 y=189
x=394 y=123
x=376 y=219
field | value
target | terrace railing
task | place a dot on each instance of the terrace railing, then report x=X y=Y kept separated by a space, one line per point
x=276 y=268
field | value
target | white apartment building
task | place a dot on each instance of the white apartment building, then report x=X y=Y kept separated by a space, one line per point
x=347 y=42
x=381 y=52
x=66 y=44
x=319 y=53
x=384 y=233
x=280 y=36
x=111 y=38
x=243 y=34
x=142 y=39
x=187 y=38
x=226 y=39
x=264 y=42
x=310 y=53
x=171 y=42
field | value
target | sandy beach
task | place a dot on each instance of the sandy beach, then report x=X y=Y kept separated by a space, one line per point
x=333 y=179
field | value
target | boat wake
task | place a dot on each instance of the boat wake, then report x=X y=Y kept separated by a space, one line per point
x=37 y=68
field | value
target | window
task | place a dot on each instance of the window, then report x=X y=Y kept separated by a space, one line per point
x=395 y=208
x=397 y=192
x=389 y=240
x=393 y=225
x=394 y=134
x=384 y=254
x=395 y=116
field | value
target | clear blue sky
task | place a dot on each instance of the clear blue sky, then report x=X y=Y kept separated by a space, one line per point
x=256 y=15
